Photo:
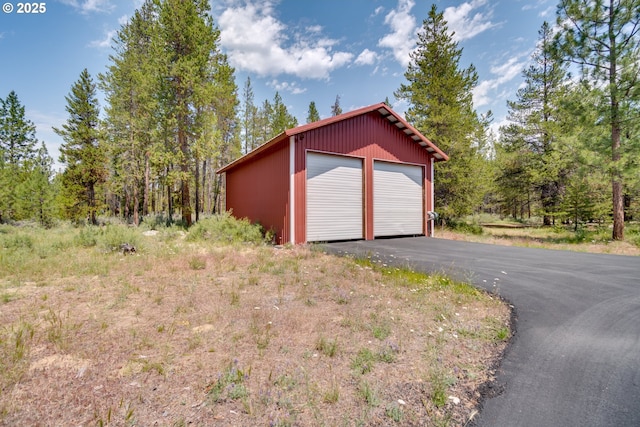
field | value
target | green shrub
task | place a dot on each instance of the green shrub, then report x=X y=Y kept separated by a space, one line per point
x=87 y=237
x=465 y=227
x=225 y=228
x=113 y=236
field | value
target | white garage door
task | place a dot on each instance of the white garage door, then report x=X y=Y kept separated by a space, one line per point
x=334 y=197
x=397 y=199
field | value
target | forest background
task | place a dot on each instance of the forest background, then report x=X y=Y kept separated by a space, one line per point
x=174 y=114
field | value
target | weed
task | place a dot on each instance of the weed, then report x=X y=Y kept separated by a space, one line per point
x=148 y=366
x=440 y=383
x=230 y=381
x=394 y=412
x=333 y=394
x=364 y=361
x=380 y=328
x=502 y=334
x=197 y=263
x=235 y=298
x=326 y=347
x=368 y=394
x=56 y=328
x=7 y=297
x=15 y=344
x=388 y=353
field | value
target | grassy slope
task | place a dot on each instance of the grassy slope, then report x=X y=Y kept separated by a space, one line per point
x=191 y=330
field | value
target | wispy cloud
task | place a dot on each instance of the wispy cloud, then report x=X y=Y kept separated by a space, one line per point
x=468 y=19
x=257 y=41
x=401 y=39
x=105 y=42
x=90 y=6
x=366 y=57
x=291 y=87
x=505 y=73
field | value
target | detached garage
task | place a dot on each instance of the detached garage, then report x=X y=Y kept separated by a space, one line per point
x=359 y=175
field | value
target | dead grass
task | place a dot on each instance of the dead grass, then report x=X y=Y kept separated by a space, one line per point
x=540 y=238
x=200 y=334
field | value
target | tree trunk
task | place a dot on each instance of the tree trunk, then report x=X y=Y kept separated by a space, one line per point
x=204 y=186
x=136 y=203
x=616 y=178
x=147 y=185
x=197 y=181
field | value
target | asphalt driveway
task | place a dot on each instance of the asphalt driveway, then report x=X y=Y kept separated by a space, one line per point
x=575 y=358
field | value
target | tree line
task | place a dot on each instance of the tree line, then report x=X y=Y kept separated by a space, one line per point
x=569 y=153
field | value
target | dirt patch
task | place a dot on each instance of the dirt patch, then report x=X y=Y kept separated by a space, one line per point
x=243 y=336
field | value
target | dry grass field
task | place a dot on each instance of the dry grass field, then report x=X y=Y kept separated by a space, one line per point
x=190 y=330
x=548 y=238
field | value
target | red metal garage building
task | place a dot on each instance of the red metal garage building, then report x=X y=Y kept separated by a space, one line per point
x=359 y=175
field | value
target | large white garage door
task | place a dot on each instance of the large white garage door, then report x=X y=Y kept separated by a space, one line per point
x=334 y=197
x=397 y=199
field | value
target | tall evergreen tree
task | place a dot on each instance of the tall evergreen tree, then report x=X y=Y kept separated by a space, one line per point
x=281 y=119
x=130 y=85
x=227 y=145
x=441 y=107
x=189 y=41
x=17 y=133
x=82 y=151
x=536 y=124
x=36 y=190
x=603 y=38
x=312 y=114
x=17 y=150
x=249 y=116
x=336 y=109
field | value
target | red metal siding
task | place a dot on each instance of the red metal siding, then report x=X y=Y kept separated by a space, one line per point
x=370 y=136
x=259 y=190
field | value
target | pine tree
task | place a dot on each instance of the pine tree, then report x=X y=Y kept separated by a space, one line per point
x=603 y=38
x=17 y=133
x=188 y=38
x=36 y=190
x=441 y=107
x=281 y=119
x=82 y=151
x=17 y=150
x=312 y=115
x=249 y=113
x=336 y=109
x=536 y=125
x=130 y=85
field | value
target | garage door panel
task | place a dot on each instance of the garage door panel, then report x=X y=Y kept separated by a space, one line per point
x=398 y=199
x=334 y=197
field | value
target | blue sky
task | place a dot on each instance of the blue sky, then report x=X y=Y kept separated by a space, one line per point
x=308 y=50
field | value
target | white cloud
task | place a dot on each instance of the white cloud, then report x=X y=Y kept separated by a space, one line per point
x=257 y=41
x=314 y=29
x=366 y=57
x=465 y=23
x=505 y=72
x=90 y=6
x=401 y=39
x=292 y=87
x=105 y=42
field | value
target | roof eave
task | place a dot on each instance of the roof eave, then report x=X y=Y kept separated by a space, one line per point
x=382 y=108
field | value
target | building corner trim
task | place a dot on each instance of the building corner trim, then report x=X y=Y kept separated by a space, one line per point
x=292 y=188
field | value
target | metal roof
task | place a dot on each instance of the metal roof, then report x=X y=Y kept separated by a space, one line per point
x=382 y=108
